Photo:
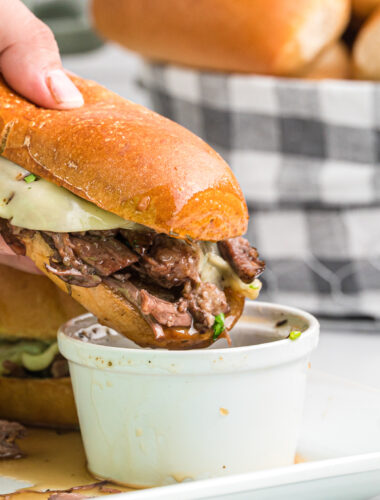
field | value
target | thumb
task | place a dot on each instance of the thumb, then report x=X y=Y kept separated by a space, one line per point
x=30 y=61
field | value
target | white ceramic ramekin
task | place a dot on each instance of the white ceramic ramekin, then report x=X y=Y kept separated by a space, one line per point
x=154 y=417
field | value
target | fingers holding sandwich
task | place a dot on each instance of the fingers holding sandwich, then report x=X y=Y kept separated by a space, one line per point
x=30 y=61
x=9 y=258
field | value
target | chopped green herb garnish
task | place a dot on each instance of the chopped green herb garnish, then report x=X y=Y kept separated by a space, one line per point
x=30 y=178
x=294 y=334
x=254 y=287
x=218 y=325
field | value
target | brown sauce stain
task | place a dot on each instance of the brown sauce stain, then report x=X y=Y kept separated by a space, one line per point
x=299 y=459
x=39 y=495
x=53 y=461
x=56 y=461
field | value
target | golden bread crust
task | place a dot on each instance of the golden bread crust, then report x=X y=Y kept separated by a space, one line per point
x=262 y=36
x=115 y=311
x=333 y=62
x=363 y=8
x=127 y=160
x=366 y=59
x=31 y=306
x=46 y=402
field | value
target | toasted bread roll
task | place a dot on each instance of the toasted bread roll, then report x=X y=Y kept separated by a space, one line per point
x=363 y=8
x=32 y=306
x=263 y=36
x=45 y=402
x=366 y=51
x=127 y=160
x=333 y=62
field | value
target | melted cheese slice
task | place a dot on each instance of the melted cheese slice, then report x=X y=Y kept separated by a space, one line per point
x=44 y=206
x=214 y=269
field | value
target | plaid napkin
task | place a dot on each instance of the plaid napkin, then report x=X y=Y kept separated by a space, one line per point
x=307 y=157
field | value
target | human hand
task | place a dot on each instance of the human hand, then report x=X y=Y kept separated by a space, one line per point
x=30 y=61
x=31 y=65
x=9 y=258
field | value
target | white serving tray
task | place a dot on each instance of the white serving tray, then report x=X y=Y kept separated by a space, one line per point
x=340 y=440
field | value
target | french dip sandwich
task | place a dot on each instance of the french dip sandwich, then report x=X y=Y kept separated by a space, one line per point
x=135 y=217
x=35 y=386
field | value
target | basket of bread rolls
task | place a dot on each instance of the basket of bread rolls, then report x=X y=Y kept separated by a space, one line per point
x=286 y=91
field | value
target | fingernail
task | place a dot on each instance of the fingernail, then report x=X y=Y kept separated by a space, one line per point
x=63 y=90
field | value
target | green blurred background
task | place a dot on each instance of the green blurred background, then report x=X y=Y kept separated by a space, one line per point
x=70 y=22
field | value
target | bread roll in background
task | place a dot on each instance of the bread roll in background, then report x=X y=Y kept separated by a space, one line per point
x=42 y=402
x=363 y=8
x=366 y=50
x=275 y=37
x=333 y=62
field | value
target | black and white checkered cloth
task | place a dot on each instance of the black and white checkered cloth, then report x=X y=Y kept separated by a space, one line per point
x=307 y=155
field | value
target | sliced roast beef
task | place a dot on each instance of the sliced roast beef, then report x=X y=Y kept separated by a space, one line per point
x=124 y=287
x=139 y=241
x=106 y=255
x=132 y=294
x=243 y=258
x=164 y=312
x=67 y=265
x=205 y=301
x=63 y=245
x=13 y=369
x=74 y=276
x=9 y=233
x=60 y=367
x=170 y=262
x=104 y=234
x=158 y=274
x=9 y=432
